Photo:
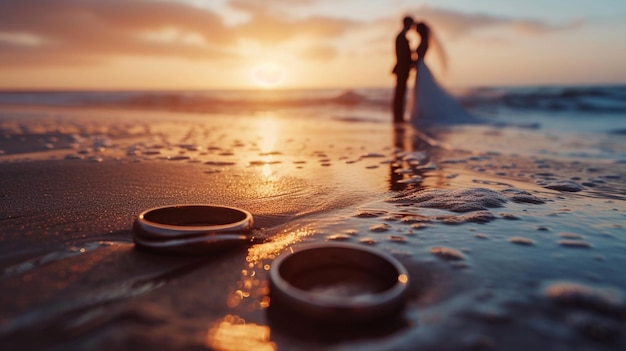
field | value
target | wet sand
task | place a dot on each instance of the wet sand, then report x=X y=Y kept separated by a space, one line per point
x=505 y=251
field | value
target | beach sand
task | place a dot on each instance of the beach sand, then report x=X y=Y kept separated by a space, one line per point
x=505 y=250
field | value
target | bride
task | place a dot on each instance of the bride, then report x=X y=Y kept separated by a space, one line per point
x=432 y=105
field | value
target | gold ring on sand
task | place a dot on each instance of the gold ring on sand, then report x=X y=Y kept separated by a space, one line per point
x=338 y=284
x=192 y=228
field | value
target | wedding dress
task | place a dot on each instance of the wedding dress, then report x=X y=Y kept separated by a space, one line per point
x=432 y=105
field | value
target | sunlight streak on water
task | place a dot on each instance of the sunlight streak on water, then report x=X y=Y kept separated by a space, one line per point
x=267 y=171
x=259 y=259
x=268 y=126
x=269 y=250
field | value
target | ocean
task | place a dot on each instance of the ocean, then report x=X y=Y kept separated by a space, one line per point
x=587 y=112
x=572 y=108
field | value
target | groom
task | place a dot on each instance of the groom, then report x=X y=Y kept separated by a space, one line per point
x=404 y=62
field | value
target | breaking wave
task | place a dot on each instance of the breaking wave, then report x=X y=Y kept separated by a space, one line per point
x=587 y=99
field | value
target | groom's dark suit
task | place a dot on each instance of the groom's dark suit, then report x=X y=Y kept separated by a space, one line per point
x=401 y=70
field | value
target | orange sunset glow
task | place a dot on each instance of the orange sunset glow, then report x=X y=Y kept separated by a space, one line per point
x=263 y=175
x=234 y=44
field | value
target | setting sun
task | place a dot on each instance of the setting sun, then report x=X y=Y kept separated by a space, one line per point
x=242 y=44
x=238 y=175
x=268 y=75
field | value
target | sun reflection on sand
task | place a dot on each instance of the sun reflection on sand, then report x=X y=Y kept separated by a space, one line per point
x=232 y=333
x=259 y=259
x=267 y=171
x=270 y=249
x=268 y=126
x=269 y=129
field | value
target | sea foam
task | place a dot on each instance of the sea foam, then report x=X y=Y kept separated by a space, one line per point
x=456 y=200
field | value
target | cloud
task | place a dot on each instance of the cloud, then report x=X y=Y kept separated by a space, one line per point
x=90 y=31
x=77 y=31
x=74 y=32
x=266 y=4
x=320 y=53
x=454 y=24
x=269 y=29
x=270 y=22
x=530 y=27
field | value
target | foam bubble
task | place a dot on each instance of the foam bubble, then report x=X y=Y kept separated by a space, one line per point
x=397 y=239
x=410 y=219
x=453 y=161
x=521 y=196
x=509 y=216
x=178 y=158
x=575 y=244
x=372 y=155
x=479 y=217
x=190 y=147
x=370 y=214
x=367 y=241
x=412 y=156
x=378 y=228
x=520 y=240
x=451 y=220
x=564 y=185
x=447 y=253
x=338 y=237
x=457 y=200
x=270 y=153
x=152 y=152
x=412 y=180
x=570 y=235
x=428 y=167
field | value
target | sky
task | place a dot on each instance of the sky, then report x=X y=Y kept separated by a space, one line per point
x=242 y=44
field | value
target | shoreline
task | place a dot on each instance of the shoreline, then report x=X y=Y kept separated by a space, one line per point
x=76 y=282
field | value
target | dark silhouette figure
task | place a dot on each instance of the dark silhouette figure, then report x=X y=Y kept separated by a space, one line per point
x=404 y=62
x=424 y=32
x=432 y=104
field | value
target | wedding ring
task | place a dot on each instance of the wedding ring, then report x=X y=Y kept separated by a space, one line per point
x=194 y=228
x=339 y=283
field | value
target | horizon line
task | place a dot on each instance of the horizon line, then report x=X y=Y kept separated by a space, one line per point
x=281 y=89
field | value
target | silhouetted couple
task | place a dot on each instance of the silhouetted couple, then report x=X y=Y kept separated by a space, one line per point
x=431 y=103
x=404 y=64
